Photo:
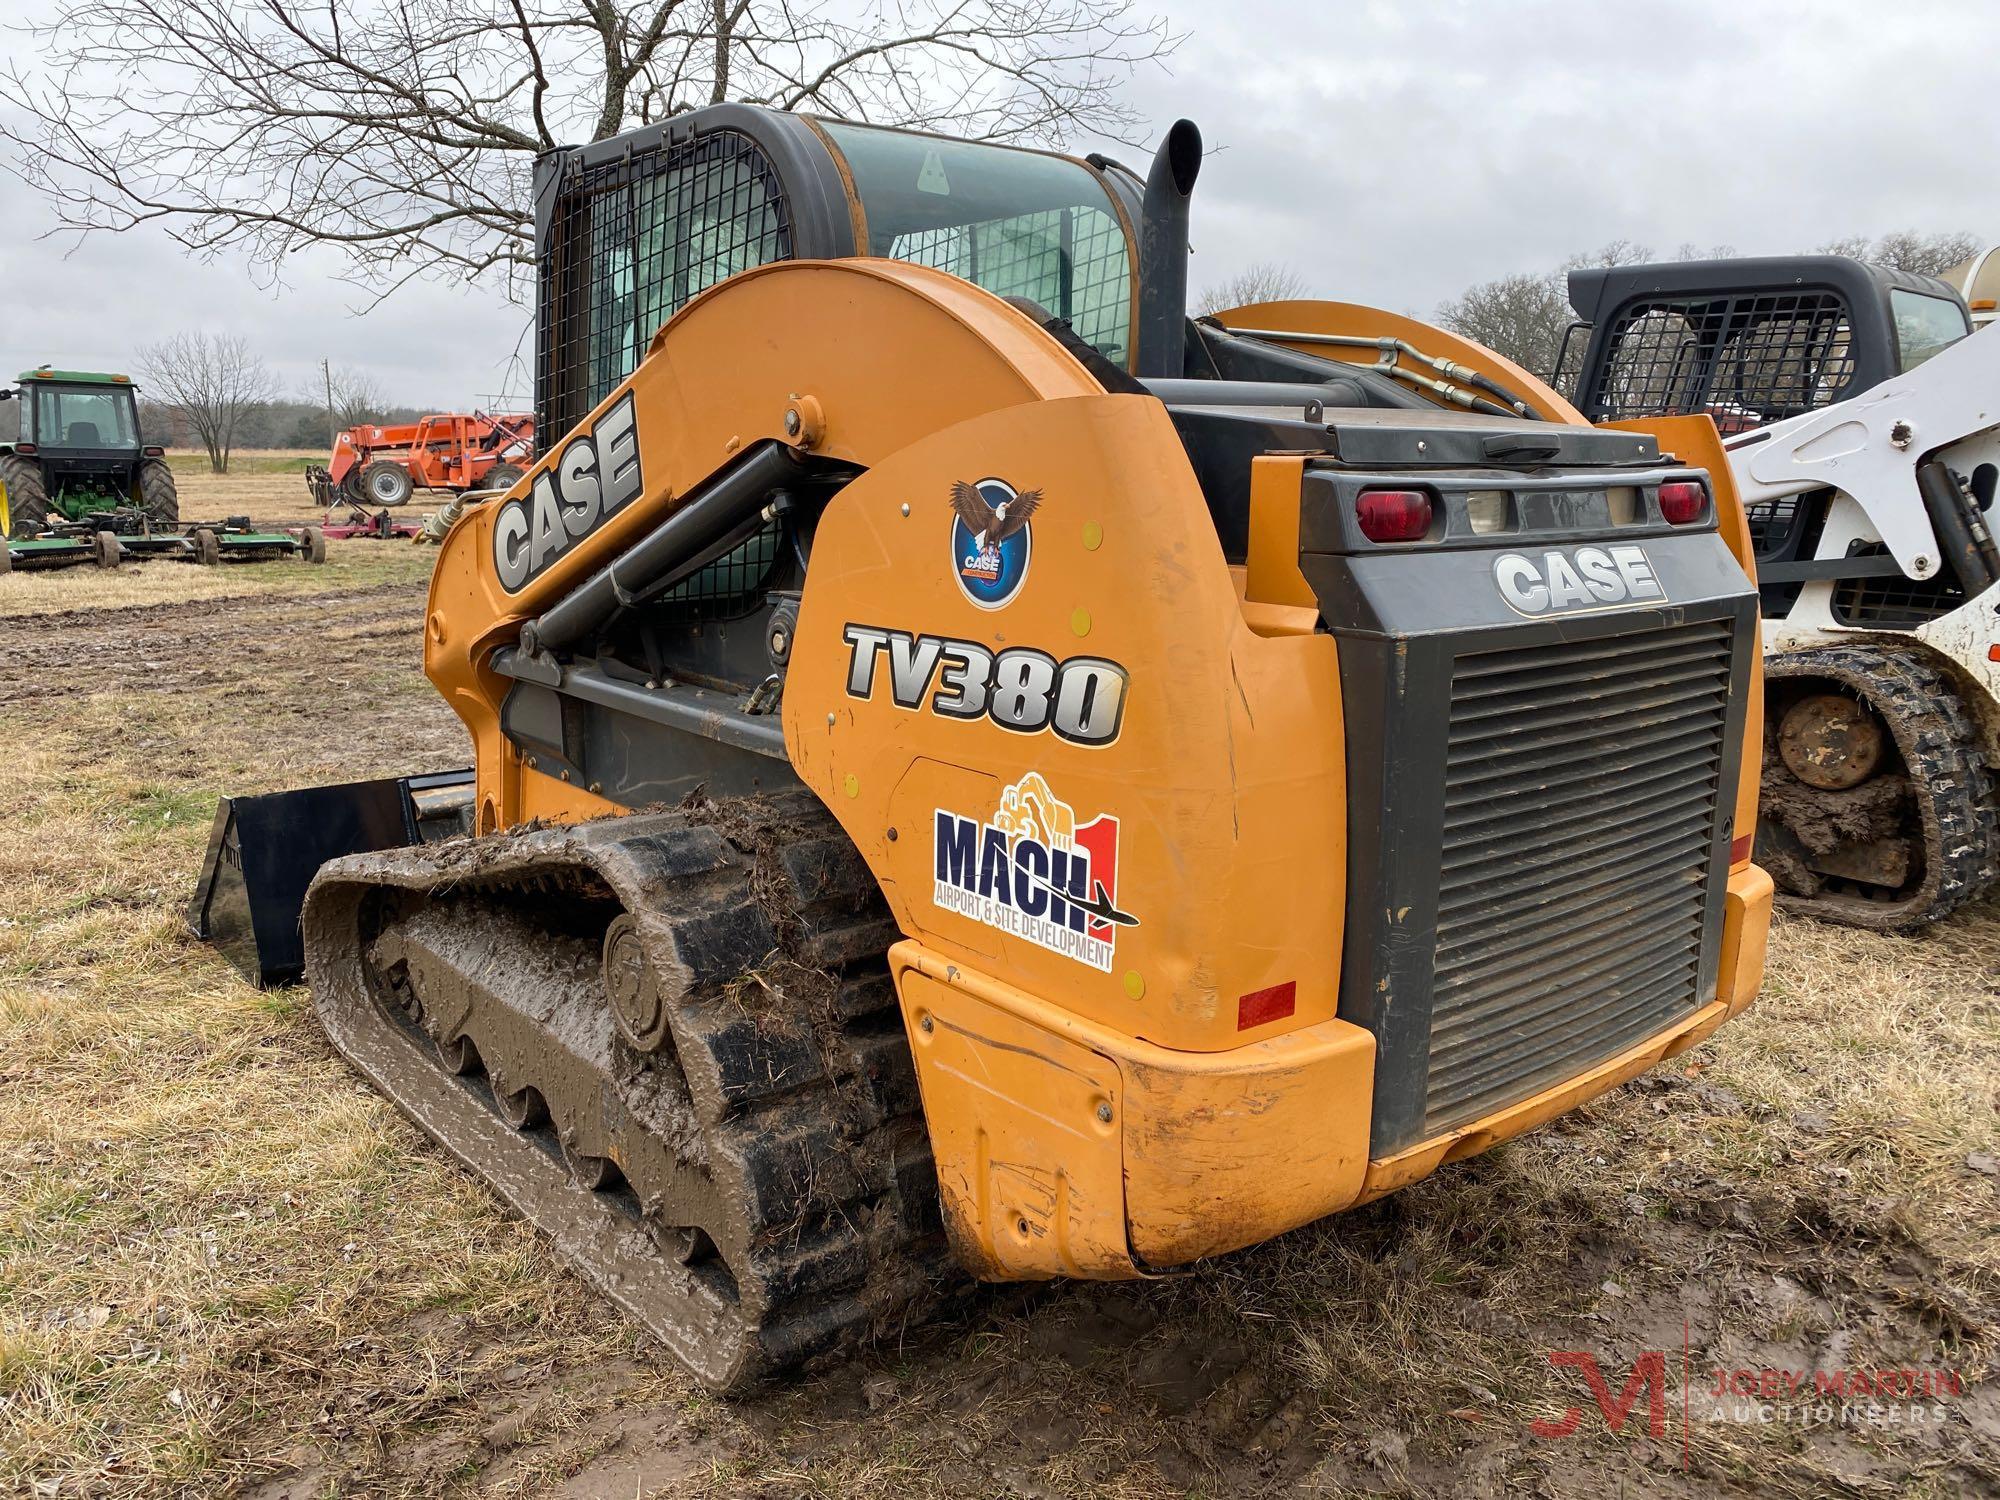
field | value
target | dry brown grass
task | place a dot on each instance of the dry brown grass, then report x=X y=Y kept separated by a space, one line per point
x=227 y=1265
x=348 y=563
x=266 y=484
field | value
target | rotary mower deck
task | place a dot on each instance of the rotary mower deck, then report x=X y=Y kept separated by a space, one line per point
x=112 y=539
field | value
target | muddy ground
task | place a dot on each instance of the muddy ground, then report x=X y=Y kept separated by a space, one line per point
x=227 y=1267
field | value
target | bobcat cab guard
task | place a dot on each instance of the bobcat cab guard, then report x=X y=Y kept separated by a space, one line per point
x=973 y=768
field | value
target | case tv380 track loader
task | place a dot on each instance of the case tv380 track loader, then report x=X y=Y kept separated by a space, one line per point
x=973 y=766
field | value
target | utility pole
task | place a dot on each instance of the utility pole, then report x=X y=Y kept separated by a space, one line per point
x=326 y=369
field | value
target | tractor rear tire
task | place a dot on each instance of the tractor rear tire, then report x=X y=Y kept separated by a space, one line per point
x=501 y=477
x=312 y=545
x=159 y=497
x=387 y=483
x=350 y=484
x=27 y=496
x=207 y=550
x=105 y=549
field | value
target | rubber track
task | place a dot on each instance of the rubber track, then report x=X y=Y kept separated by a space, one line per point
x=783 y=1119
x=1942 y=753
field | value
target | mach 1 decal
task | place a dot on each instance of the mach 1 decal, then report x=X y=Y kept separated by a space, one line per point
x=1030 y=870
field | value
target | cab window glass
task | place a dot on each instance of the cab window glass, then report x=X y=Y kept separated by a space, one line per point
x=1018 y=223
x=84 y=417
x=1925 y=325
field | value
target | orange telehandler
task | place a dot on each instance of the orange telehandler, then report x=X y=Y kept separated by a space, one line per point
x=385 y=465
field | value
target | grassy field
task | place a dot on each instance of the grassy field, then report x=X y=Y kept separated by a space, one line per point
x=226 y=1266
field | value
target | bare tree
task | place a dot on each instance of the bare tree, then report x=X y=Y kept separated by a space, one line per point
x=1689 y=250
x=1907 y=250
x=211 y=382
x=1523 y=316
x=404 y=132
x=349 y=397
x=1266 y=281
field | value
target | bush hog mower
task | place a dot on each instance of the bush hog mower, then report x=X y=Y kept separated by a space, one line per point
x=978 y=773
x=384 y=466
x=1861 y=434
x=80 y=487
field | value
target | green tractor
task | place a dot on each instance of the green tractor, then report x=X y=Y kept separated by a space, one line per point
x=80 y=486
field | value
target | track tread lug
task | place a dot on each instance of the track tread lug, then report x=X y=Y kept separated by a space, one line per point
x=790 y=1093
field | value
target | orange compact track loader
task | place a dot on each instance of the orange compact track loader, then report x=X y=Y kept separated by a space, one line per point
x=979 y=773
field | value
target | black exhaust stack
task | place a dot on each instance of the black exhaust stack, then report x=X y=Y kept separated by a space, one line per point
x=1163 y=253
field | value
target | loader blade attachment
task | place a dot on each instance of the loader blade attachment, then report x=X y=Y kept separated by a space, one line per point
x=264 y=851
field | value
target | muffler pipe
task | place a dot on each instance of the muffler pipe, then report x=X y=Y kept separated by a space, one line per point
x=1163 y=253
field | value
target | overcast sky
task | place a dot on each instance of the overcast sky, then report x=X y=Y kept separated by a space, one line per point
x=1391 y=153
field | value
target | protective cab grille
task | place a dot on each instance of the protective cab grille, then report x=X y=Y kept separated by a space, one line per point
x=1580 y=816
x=1746 y=360
x=631 y=241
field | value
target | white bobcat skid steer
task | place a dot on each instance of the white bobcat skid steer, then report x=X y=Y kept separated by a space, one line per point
x=1862 y=422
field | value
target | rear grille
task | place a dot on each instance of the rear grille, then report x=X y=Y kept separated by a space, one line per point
x=1580 y=813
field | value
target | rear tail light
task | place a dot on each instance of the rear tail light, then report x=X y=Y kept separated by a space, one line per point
x=1393 y=515
x=1682 y=502
x=24 y=448
x=154 y=452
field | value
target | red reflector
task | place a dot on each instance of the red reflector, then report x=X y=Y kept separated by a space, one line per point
x=1739 y=850
x=1393 y=515
x=154 y=452
x=1993 y=653
x=1682 y=501
x=1262 y=1006
x=24 y=447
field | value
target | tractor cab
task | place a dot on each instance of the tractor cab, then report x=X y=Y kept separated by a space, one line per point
x=84 y=428
x=78 y=413
x=79 y=460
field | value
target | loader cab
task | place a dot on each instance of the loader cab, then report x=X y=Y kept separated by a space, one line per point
x=631 y=229
x=1748 y=341
x=1754 y=341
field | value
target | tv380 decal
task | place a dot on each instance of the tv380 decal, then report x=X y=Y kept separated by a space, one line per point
x=1080 y=699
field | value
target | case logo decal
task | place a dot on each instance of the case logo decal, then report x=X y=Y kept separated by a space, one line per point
x=597 y=475
x=1586 y=578
x=1032 y=872
x=991 y=540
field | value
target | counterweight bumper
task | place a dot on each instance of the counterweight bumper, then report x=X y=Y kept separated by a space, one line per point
x=1066 y=1149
